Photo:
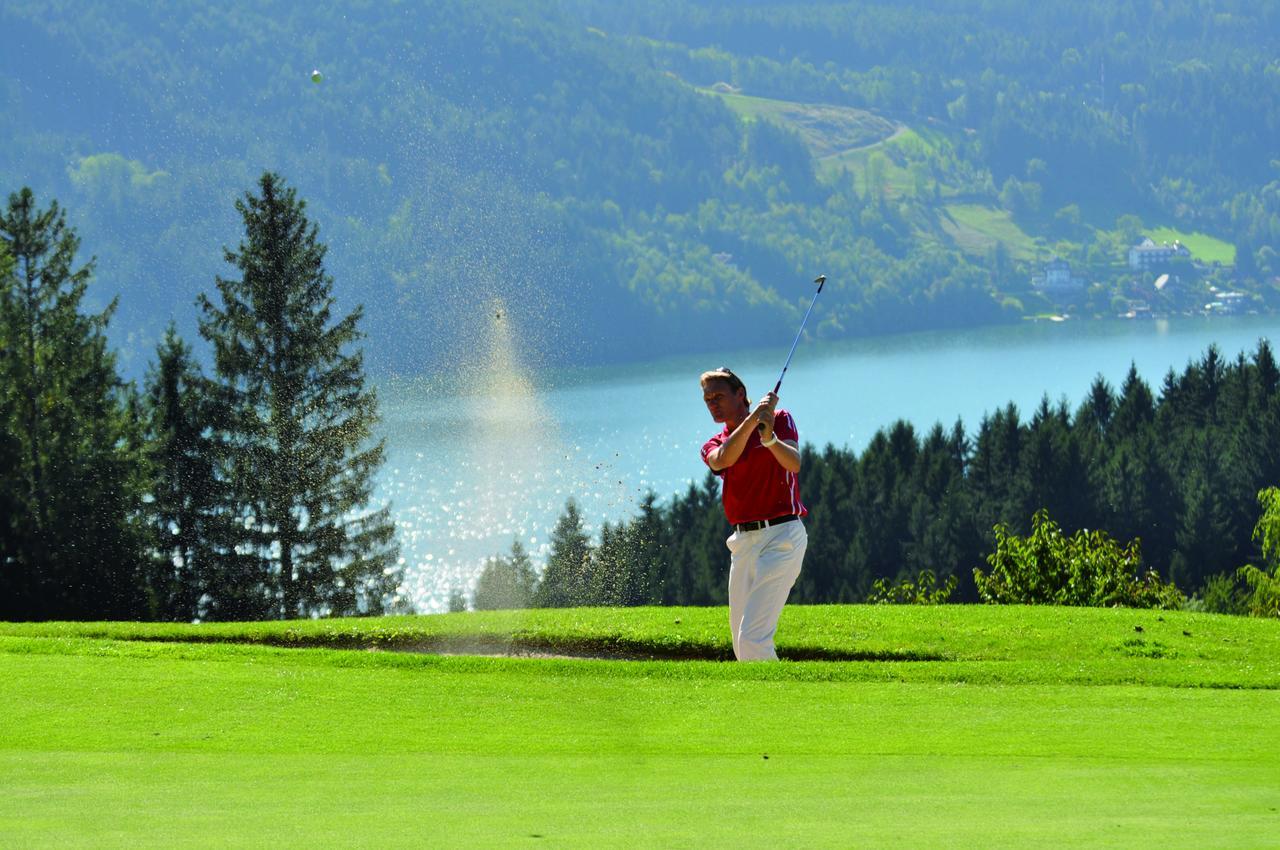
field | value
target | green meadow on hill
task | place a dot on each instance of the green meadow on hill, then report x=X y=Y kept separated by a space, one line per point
x=1202 y=246
x=828 y=131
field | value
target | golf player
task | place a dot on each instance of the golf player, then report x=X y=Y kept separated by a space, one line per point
x=757 y=456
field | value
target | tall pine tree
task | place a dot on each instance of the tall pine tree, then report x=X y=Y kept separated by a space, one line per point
x=506 y=583
x=565 y=580
x=294 y=426
x=646 y=547
x=187 y=527
x=13 y=576
x=76 y=490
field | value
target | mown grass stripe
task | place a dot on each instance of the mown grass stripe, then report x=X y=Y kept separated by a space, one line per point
x=1009 y=645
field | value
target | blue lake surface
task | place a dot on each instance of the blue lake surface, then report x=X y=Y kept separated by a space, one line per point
x=467 y=474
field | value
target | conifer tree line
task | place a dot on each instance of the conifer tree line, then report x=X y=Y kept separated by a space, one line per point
x=245 y=493
x=241 y=494
x=1179 y=470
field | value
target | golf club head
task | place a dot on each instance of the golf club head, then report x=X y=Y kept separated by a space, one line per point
x=821 y=281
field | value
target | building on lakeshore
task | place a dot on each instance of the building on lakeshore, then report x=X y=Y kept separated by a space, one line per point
x=1136 y=308
x=1056 y=280
x=1227 y=303
x=1147 y=254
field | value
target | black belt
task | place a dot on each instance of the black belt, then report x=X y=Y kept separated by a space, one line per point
x=764 y=523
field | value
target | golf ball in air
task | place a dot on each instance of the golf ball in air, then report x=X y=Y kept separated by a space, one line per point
x=316 y=76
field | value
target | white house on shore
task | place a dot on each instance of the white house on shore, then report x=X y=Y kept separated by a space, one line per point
x=1056 y=280
x=1147 y=254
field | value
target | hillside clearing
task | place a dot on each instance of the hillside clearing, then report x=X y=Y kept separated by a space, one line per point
x=826 y=129
x=1203 y=247
x=976 y=228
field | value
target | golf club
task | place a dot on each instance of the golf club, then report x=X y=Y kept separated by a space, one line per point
x=820 y=280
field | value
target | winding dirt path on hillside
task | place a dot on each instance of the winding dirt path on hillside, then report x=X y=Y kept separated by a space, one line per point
x=899 y=130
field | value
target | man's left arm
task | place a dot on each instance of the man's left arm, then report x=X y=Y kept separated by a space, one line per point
x=786 y=441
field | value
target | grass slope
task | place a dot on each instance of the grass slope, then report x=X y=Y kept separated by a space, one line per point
x=1203 y=247
x=827 y=130
x=133 y=741
x=906 y=144
x=977 y=227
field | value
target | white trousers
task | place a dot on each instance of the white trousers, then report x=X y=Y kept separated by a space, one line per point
x=763 y=566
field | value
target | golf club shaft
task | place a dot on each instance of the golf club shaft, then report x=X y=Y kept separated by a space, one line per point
x=800 y=332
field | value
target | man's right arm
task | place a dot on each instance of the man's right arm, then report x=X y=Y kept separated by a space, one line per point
x=727 y=454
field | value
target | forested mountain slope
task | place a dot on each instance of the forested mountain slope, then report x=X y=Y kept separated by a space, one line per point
x=576 y=163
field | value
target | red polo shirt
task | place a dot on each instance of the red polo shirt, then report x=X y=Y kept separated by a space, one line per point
x=757 y=487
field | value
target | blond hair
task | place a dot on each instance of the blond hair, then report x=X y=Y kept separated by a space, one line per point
x=724 y=373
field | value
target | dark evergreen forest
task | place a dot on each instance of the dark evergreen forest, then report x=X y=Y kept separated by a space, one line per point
x=1179 y=470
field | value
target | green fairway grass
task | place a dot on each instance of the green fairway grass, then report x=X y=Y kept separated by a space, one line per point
x=1203 y=247
x=954 y=643
x=1019 y=727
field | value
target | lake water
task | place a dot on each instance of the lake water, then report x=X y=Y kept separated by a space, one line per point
x=467 y=474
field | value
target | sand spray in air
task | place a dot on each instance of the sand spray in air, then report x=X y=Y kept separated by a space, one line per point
x=515 y=440
x=481 y=459
x=477 y=455
x=520 y=447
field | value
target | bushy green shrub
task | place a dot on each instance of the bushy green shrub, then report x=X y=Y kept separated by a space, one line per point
x=1221 y=595
x=923 y=591
x=1088 y=568
x=1264 y=596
